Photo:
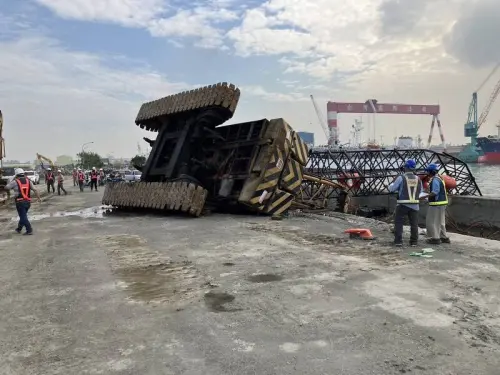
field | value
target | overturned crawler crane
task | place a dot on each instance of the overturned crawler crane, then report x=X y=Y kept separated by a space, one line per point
x=195 y=163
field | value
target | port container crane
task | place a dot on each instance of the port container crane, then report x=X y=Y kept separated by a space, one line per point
x=471 y=154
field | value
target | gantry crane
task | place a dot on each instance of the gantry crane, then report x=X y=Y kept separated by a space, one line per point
x=470 y=154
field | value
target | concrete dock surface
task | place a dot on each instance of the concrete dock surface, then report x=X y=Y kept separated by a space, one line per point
x=94 y=293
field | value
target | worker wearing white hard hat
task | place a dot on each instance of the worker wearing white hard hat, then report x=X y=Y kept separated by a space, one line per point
x=22 y=187
x=60 y=183
x=93 y=179
x=81 y=179
x=101 y=177
x=49 y=180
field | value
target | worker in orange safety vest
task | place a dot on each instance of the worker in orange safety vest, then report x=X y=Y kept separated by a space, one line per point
x=49 y=180
x=93 y=179
x=101 y=177
x=22 y=187
x=81 y=179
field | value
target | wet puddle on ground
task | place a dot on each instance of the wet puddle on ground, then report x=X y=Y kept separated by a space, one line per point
x=216 y=302
x=92 y=212
x=153 y=283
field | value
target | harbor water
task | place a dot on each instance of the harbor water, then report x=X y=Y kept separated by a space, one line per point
x=487 y=178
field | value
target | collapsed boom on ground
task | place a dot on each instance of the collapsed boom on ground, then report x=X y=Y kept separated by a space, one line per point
x=369 y=172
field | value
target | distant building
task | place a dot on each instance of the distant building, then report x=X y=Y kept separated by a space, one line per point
x=64 y=160
x=307 y=137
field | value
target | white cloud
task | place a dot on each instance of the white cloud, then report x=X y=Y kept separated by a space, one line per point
x=156 y=16
x=124 y=12
x=261 y=92
x=197 y=22
x=320 y=38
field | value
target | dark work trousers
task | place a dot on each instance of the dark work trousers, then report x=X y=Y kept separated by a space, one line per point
x=50 y=183
x=61 y=187
x=22 y=211
x=93 y=184
x=401 y=213
x=80 y=184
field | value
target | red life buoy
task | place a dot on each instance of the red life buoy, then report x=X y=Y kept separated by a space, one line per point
x=425 y=181
x=449 y=182
x=355 y=181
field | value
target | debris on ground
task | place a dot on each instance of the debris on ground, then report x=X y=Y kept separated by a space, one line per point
x=424 y=253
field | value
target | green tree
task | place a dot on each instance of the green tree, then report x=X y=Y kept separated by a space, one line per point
x=90 y=159
x=138 y=160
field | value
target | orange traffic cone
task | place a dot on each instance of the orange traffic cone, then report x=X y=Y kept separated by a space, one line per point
x=362 y=233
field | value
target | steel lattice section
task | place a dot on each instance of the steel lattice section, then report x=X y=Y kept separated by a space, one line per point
x=369 y=172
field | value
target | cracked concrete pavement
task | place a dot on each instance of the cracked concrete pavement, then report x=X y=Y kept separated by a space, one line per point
x=219 y=295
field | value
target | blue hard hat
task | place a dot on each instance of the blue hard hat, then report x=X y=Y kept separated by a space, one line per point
x=432 y=168
x=410 y=164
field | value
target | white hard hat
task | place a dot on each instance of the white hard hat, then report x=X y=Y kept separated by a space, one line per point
x=93 y=168
x=59 y=170
x=18 y=171
x=79 y=169
x=49 y=169
x=100 y=169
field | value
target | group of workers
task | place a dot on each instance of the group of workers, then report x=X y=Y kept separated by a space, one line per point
x=79 y=178
x=49 y=181
x=409 y=188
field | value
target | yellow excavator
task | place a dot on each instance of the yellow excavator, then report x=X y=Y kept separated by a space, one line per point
x=42 y=158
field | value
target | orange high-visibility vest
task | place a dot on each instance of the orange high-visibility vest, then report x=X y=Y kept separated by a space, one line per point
x=24 y=190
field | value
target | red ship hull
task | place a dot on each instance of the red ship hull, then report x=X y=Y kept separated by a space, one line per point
x=491 y=150
x=490 y=158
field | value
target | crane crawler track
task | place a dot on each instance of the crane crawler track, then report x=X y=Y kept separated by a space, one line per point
x=222 y=95
x=177 y=196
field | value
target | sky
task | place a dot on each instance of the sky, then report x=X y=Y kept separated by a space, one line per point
x=77 y=71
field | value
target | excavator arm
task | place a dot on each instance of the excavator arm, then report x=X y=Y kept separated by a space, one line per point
x=42 y=158
x=2 y=155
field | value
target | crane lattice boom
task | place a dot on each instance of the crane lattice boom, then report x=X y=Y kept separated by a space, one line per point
x=320 y=117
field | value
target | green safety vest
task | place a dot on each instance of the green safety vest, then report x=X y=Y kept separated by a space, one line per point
x=442 y=198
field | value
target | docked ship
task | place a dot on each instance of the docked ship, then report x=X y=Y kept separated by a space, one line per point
x=407 y=142
x=490 y=146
